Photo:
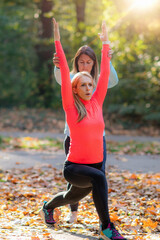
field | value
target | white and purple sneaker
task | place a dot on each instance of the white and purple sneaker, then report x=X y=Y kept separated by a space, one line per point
x=72 y=217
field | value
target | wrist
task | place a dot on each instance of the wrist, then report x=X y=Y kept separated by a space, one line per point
x=106 y=42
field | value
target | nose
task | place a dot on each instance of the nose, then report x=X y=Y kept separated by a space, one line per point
x=88 y=87
x=84 y=65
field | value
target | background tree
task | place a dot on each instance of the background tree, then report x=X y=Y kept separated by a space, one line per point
x=17 y=56
x=26 y=49
x=44 y=50
x=80 y=7
x=137 y=63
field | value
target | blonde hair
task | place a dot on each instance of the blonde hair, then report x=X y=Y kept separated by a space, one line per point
x=78 y=104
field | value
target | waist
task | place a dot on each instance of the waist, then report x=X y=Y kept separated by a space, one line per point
x=94 y=165
x=83 y=156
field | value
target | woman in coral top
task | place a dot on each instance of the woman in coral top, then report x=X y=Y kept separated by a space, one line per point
x=82 y=168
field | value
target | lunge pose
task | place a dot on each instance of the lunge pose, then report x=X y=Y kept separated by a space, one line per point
x=84 y=116
x=85 y=60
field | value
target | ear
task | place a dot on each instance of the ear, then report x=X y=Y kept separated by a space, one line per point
x=74 y=90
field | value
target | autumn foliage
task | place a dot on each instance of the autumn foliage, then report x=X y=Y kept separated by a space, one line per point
x=133 y=202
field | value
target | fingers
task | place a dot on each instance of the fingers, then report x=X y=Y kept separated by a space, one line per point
x=56 y=60
x=54 y=21
x=104 y=34
x=104 y=27
x=56 y=64
x=56 y=27
x=56 y=30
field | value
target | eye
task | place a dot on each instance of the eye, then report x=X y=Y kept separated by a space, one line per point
x=90 y=84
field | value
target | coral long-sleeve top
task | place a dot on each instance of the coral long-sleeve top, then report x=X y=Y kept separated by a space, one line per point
x=86 y=136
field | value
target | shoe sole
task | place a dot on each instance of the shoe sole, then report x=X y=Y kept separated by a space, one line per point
x=106 y=238
x=41 y=213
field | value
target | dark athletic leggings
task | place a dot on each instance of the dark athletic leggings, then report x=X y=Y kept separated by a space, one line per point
x=84 y=178
x=74 y=207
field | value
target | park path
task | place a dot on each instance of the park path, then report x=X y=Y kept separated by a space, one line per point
x=29 y=158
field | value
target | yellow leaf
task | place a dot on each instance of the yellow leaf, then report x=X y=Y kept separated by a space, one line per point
x=149 y=223
x=114 y=217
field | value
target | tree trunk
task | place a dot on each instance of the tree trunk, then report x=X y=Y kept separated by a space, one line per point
x=80 y=6
x=80 y=10
x=45 y=54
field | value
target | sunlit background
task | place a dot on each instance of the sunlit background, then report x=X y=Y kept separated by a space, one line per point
x=143 y=4
x=26 y=45
x=30 y=102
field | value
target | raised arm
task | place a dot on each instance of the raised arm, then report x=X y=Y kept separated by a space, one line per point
x=102 y=85
x=113 y=78
x=66 y=87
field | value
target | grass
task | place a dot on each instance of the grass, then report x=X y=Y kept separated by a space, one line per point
x=128 y=147
x=30 y=143
x=133 y=147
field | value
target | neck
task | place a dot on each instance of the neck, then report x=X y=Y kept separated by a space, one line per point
x=84 y=101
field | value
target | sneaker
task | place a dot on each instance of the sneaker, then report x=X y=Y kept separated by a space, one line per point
x=47 y=215
x=72 y=217
x=110 y=233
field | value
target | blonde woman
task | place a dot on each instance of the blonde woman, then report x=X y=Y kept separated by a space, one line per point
x=84 y=116
x=84 y=60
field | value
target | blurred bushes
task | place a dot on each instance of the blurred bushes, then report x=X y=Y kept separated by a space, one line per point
x=17 y=56
x=133 y=102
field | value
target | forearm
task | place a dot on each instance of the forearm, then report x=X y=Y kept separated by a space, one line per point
x=57 y=75
x=102 y=85
x=66 y=87
x=105 y=68
x=113 y=77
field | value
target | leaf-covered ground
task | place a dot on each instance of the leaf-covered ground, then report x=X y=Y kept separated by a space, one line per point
x=134 y=202
x=133 y=198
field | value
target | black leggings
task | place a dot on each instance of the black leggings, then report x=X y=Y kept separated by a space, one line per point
x=74 y=207
x=84 y=178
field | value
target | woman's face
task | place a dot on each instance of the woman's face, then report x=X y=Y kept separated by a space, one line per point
x=85 y=63
x=84 y=88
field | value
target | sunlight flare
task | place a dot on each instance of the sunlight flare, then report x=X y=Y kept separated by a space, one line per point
x=143 y=4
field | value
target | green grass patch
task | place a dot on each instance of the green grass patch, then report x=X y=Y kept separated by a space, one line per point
x=133 y=147
x=30 y=143
x=4 y=142
x=129 y=147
